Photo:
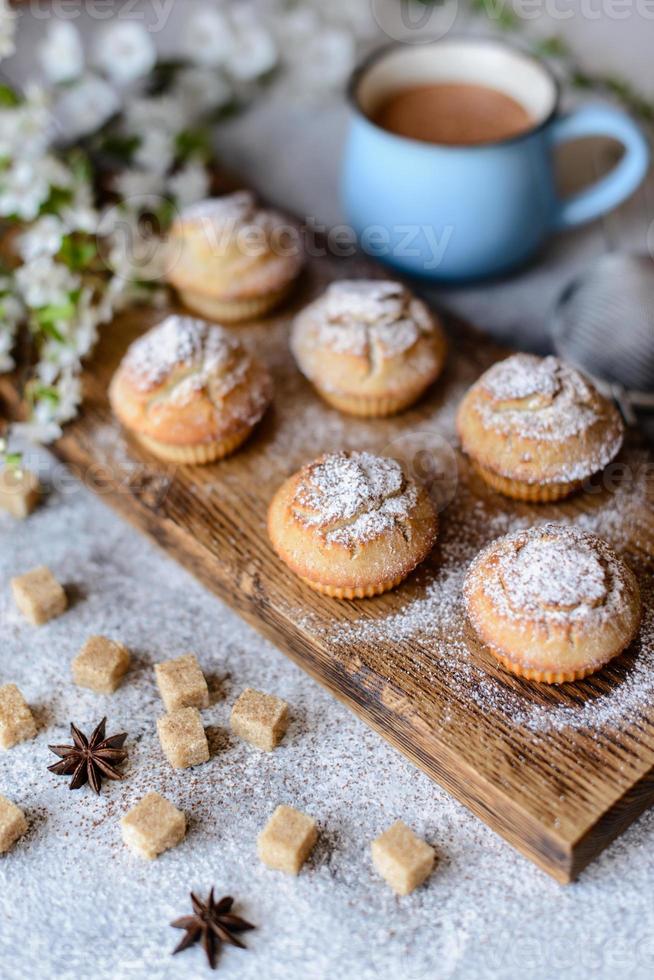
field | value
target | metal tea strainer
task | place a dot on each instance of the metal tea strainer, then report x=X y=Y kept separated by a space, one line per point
x=603 y=323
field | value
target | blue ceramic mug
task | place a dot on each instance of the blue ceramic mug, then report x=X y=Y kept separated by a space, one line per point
x=468 y=212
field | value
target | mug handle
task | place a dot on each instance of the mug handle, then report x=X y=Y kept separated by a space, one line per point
x=621 y=182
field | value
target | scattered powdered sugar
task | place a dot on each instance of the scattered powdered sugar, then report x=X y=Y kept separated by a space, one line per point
x=354 y=315
x=206 y=351
x=541 y=397
x=552 y=573
x=353 y=497
x=433 y=623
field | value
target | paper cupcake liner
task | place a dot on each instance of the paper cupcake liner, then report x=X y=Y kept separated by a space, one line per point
x=371 y=407
x=534 y=492
x=360 y=592
x=546 y=676
x=232 y=311
x=200 y=454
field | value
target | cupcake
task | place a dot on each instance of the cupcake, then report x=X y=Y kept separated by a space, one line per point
x=189 y=391
x=232 y=260
x=351 y=524
x=368 y=346
x=535 y=428
x=552 y=603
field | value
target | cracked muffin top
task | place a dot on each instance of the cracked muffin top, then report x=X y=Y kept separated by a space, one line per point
x=368 y=339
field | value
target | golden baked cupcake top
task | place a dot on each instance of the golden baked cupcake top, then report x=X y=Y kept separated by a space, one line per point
x=349 y=498
x=371 y=342
x=351 y=523
x=554 y=602
x=188 y=383
x=233 y=256
x=539 y=421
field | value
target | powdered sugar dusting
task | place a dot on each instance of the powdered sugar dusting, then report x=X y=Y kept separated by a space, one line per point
x=549 y=574
x=179 y=342
x=434 y=621
x=525 y=376
x=548 y=401
x=233 y=212
x=353 y=497
x=355 y=315
x=238 y=207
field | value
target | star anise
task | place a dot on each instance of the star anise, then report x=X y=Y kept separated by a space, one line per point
x=90 y=759
x=213 y=924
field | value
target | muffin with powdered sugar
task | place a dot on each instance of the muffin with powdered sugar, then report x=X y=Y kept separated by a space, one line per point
x=536 y=429
x=368 y=346
x=552 y=603
x=189 y=391
x=351 y=524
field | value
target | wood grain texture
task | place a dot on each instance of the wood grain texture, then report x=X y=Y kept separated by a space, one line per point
x=558 y=796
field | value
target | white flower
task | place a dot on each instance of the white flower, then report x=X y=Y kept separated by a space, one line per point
x=190 y=184
x=7 y=29
x=156 y=150
x=55 y=172
x=297 y=25
x=23 y=189
x=253 y=53
x=161 y=111
x=27 y=129
x=201 y=90
x=136 y=185
x=69 y=388
x=80 y=217
x=208 y=37
x=125 y=51
x=61 y=53
x=43 y=282
x=43 y=238
x=13 y=310
x=86 y=106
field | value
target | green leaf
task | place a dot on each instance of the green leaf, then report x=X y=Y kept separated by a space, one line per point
x=58 y=199
x=80 y=165
x=122 y=147
x=13 y=461
x=498 y=12
x=38 y=392
x=77 y=252
x=48 y=317
x=8 y=98
x=553 y=47
x=581 y=80
x=193 y=143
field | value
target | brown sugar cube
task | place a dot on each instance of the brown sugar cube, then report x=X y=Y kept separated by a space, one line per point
x=12 y=824
x=100 y=665
x=154 y=825
x=261 y=719
x=181 y=683
x=182 y=738
x=286 y=841
x=19 y=492
x=403 y=859
x=39 y=596
x=16 y=719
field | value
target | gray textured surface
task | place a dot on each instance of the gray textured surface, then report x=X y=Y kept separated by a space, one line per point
x=74 y=903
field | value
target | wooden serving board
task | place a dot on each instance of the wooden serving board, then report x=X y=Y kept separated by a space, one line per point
x=404 y=662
